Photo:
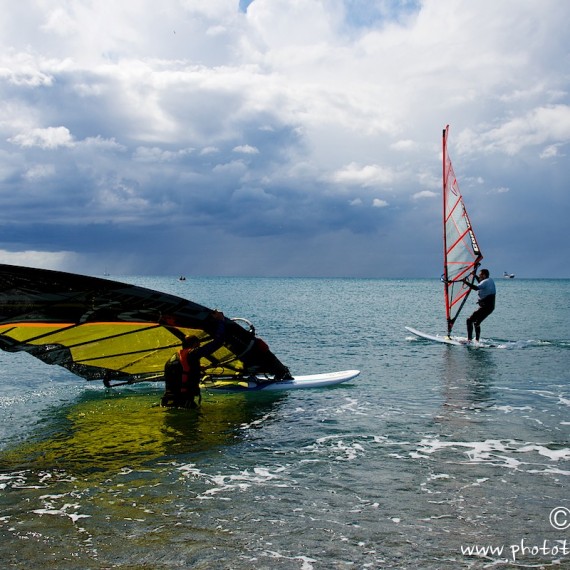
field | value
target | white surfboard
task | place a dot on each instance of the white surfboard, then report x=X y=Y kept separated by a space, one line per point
x=299 y=382
x=436 y=337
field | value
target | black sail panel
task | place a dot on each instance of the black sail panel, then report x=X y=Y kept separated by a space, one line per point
x=103 y=329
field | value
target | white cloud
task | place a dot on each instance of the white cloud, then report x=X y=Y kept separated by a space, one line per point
x=39 y=171
x=101 y=144
x=378 y=203
x=209 y=150
x=48 y=138
x=234 y=167
x=246 y=149
x=404 y=145
x=156 y=154
x=368 y=175
x=425 y=194
x=27 y=77
x=59 y=22
x=551 y=151
x=548 y=124
x=121 y=198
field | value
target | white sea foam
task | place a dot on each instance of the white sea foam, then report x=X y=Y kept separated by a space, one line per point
x=564 y=401
x=257 y=423
x=306 y=562
x=335 y=445
x=16 y=480
x=350 y=405
x=492 y=452
x=552 y=454
x=221 y=483
x=550 y=471
x=439 y=476
x=63 y=511
x=511 y=409
x=5 y=481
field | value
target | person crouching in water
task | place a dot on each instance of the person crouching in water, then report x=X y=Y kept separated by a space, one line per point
x=182 y=372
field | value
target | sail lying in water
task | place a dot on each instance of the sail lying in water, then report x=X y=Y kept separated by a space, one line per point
x=102 y=329
x=462 y=254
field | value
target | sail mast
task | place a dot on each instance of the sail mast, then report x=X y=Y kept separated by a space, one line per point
x=444 y=194
x=443 y=179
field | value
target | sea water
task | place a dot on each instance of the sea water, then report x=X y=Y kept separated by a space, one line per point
x=436 y=456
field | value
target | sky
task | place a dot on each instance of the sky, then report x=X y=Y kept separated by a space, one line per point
x=282 y=137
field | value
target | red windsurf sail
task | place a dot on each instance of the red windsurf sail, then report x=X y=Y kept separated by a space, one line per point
x=462 y=254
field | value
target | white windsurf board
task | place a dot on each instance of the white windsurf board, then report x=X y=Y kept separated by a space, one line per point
x=436 y=337
x=298 y=382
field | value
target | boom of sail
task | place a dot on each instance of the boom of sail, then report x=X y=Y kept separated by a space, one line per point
x=462 y=254
x=102 y=329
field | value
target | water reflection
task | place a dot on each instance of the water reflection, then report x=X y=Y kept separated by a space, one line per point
x=127 y=429
x=467 y=378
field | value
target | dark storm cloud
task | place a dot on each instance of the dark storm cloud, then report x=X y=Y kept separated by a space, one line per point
x=280 y=138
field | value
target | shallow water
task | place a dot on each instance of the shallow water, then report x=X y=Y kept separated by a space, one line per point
x=432 y=451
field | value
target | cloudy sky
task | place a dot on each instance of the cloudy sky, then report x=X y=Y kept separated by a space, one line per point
x=282 y=137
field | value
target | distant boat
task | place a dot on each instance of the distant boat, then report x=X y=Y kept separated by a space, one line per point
x=508 y=275
x=182 y=278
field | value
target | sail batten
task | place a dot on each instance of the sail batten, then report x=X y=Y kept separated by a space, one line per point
x=461 y=251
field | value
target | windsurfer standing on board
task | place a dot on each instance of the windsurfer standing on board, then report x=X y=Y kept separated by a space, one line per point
x=182 y=372
x=486 y=300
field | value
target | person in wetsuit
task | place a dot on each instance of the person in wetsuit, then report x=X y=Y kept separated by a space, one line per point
x=261 y=355
x=182 y=372
x=486 y=300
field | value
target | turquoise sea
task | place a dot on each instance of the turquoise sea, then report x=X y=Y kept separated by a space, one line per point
x=434 y=457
